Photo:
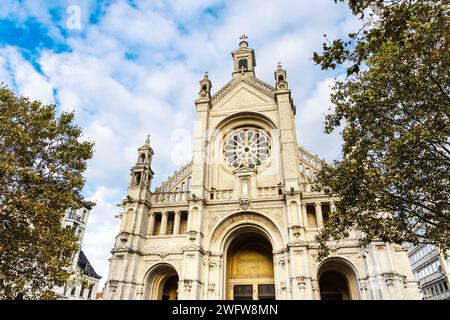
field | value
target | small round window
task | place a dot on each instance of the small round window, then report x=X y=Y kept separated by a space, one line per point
x=248 y=147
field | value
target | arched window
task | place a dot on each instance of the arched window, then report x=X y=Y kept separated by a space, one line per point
x=243 y=64
x=183 y=186
x=189 y=184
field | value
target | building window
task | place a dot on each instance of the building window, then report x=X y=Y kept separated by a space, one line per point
x=72 y=292
x=157 y=226
x=326 y=209
x=170 y=222
x=83 y=286
x=311 y=215
x=243 y=64
x=248 y=147
x=183 y=222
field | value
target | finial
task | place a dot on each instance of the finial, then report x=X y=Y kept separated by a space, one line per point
x=147 y=141
x=206 y=75
x=243 y=42
x=280 y=66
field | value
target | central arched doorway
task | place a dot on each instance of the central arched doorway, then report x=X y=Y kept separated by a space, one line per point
x=250 y=272
x=162 y=283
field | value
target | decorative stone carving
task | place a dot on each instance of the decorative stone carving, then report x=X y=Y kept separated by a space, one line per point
x=389 y=278
x=362 y=285
x=245 y=204
x=405 y=281
x=296 y=231
x=192 y=235
x=283 y=285
x=212 y=266
x=301 y=282
x=333 y=250
x=211 y=288
x=123 y=237
x=187 y=285
x=113 y=284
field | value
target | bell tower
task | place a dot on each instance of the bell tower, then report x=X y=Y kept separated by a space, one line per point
x=244 y=62
x=141 y=172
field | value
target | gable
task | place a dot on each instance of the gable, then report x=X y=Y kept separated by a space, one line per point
x=243 y=92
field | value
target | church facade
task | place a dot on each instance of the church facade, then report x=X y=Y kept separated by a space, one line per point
x=239 y=221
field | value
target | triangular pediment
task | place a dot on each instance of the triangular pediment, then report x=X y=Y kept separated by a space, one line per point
x=244 y=92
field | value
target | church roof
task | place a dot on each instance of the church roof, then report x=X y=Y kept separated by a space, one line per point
x=174 y=180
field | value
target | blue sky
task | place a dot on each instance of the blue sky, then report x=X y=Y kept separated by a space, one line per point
x=131 y=68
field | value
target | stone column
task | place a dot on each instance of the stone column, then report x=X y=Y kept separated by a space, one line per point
x=319 y=215
x=151 y=223
x=176 y=224
x=163 y=229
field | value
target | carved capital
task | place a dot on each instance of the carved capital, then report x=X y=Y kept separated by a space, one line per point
x=389 y=278
x=301 y=282
x=192 y=235
x=187 y=285
x=113 y=284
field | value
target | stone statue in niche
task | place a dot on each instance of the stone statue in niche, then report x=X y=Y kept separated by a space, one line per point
x=245 y=189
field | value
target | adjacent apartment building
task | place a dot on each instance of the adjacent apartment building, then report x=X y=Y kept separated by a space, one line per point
x=83 y=282
x=431 y=270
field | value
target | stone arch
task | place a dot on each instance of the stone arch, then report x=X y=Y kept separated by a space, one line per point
x=156 y=280
x=245 y=117
x=222 y=230
x=224 y=130
x=331 y=274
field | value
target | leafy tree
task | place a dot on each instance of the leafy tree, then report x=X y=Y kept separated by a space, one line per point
x=41 y=166
x=394 y=180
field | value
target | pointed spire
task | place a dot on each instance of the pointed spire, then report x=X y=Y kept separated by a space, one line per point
x=280 y=78
x=205 y=88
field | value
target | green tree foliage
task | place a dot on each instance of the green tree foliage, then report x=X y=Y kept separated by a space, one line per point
x=393 y=181
x=41 y=166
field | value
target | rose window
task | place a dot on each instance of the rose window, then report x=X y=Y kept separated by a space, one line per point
x=246 y=148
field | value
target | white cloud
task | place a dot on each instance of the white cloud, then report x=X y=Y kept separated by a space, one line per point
x=18 y=73
x=310 y=124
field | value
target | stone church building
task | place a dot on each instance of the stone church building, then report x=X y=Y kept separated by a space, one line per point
x=239 y=221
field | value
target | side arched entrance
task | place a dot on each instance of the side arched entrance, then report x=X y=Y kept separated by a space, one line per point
x=337 y=280
x=162 y=283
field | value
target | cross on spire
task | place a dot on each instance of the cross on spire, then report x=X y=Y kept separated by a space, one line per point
x=243 y=37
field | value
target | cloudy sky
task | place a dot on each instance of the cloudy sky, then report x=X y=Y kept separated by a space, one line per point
x=131 y=68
